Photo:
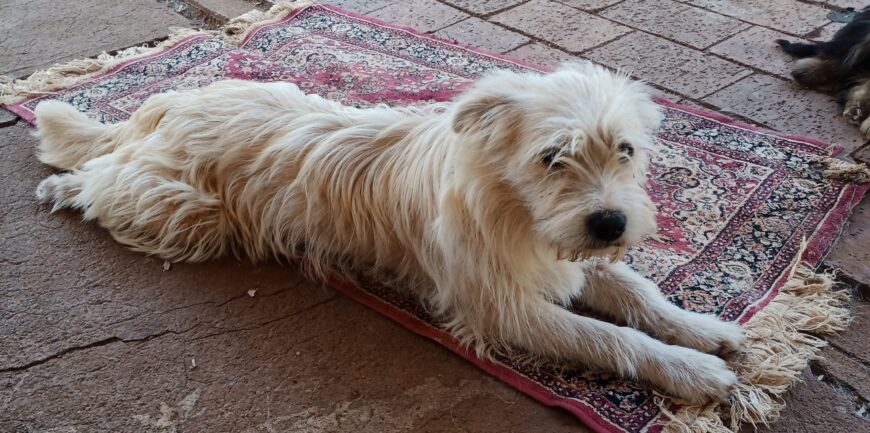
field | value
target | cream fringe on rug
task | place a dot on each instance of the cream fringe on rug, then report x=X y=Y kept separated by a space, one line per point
x=781 y=339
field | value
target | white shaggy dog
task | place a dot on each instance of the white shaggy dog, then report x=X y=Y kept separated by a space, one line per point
x=484 y=205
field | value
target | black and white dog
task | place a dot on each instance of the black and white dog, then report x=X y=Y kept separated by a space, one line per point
x=840 y=66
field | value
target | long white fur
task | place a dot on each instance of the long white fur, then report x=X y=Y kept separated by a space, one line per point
x=451 y=198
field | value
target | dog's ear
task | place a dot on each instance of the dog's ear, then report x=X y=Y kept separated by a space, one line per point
x=478 y=112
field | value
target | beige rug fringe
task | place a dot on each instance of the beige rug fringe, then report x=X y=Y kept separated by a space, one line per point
x=781 y=340
x=69 y=74
x=844 y=171
x=236 y=30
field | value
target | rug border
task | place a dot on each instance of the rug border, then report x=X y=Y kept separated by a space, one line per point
x=503 y=373
x=833 y=149
x=827 y=231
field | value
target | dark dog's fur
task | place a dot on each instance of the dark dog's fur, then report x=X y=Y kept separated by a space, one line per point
x=840 y=66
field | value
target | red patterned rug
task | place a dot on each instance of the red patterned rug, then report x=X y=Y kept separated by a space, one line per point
x=739 y=208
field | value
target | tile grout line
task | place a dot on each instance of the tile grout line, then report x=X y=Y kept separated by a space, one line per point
x=748 y=22
x=708 y=47
x=579 y=54
x=704 y=50
x=752 y=69
x=549 y=44
x=592 y=11
x=530 y=42
x=822 y=4
x=537 y=40
x=729 y=85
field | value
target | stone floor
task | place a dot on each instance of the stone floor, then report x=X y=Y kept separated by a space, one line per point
x=97 y=339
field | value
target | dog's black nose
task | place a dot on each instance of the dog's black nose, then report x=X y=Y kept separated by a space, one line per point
x=607 y=225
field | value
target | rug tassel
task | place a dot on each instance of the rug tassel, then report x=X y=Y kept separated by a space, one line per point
x=237 y=29
x=844 y=171
x=780 y=342
x=69 y=74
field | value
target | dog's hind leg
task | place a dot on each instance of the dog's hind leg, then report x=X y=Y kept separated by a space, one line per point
x=617 y=290
x=143 y=209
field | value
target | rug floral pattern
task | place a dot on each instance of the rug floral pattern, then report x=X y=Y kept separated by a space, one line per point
x=734 y=204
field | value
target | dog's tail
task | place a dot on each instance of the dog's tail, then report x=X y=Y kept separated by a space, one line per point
x=68 y=138
x=798 y=49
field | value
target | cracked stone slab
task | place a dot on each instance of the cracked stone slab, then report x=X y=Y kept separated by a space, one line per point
x=478 y=33
x=218 y=12
x=38 y=33
x=784 y=106
x=814 y=406
x=360 y=6
x=846 y=368
x=784 y=15
x=855 y=341
x=851 y=254
x=338 y=367
x=7 y=118
x=421 y=15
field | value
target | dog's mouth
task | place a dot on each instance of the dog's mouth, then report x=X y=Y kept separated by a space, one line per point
x=613 y=253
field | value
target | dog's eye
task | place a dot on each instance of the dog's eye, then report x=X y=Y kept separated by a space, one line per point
x=626 y=148
x=549 y=157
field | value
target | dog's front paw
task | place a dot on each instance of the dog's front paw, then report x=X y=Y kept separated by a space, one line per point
x=697 y=377
x=708 y=334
